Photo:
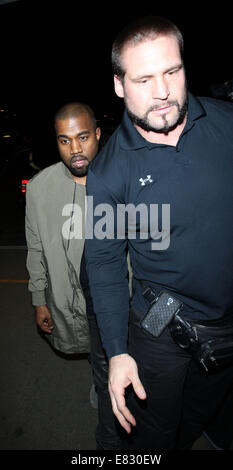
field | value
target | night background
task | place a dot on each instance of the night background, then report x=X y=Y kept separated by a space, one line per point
x=51 y=53
x=55 y=52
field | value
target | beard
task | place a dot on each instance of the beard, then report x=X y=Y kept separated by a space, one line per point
x=165 y=127
x=80 y=172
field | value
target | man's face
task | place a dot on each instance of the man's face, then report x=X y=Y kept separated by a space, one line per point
x=154 y=85
x=77 y=142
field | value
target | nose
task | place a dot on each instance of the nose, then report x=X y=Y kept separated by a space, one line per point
x=160 y=89
x=75 y=147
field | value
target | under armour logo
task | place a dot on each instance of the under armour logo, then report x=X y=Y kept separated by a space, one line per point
x=146 y=180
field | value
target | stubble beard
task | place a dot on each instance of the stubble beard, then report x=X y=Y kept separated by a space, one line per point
x=80 y=172
x=165 y=127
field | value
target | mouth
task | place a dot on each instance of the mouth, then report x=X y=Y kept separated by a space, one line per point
x=162 y=109
x=78 y=162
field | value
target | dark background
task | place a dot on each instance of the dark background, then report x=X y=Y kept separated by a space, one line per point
x=54 y=52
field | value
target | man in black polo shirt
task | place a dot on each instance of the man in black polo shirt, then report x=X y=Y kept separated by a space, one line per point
x=172 y=160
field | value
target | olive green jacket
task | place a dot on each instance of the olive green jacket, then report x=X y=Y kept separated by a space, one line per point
x=55 y=241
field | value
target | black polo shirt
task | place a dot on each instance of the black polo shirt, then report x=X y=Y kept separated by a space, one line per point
x=188 y=191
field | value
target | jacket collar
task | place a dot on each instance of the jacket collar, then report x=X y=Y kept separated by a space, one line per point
x=130 y=139
x=65 y=171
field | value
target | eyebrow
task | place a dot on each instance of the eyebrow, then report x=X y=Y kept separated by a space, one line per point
x=78 y=135
x=173 y=67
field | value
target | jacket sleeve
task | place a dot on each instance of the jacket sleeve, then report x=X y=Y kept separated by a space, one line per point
x=107 y=266
x=35 y=258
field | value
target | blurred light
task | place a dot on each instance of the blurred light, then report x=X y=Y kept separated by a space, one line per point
x=6 y=136
x=23 y=186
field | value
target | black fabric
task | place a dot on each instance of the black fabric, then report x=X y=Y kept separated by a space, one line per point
x=181 y=398
x=210 y=342
x=220 y=428
x=195 y=263
x=193 y=178
x=109 y=433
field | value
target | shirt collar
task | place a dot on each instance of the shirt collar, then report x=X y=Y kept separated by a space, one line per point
x=130 y=139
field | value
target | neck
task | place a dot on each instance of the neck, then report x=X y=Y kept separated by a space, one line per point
x=171 y=138
x=80 y=179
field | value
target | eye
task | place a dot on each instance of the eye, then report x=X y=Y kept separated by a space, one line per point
x=64 y=142
x=174 y=71
x=83 y=138
x=143 y=81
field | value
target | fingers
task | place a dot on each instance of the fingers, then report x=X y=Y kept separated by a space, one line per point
x=120 y=410
x=46 y=326
x=138 y=388
x=123 y=372
x=44 y=319
x=49 y=322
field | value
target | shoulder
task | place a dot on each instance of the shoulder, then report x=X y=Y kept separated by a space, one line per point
x=45 y=176
x=218 y=119
x=217 y=108
x=116 y=157
x=109 y=156
x=110 y=167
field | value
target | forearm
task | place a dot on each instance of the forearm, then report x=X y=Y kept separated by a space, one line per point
x=35 y=258
x=107 y=269
x=37 y=277
x=111 y=306
x=38 y=298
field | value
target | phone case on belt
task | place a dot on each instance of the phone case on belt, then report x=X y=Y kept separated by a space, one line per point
x=161 y=313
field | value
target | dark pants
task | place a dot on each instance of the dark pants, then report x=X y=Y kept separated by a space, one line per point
x=220 y=429
x=109 y=433
x=181 y=399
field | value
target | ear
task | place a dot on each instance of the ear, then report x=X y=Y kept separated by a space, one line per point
x=98 y=133
x=118 y=85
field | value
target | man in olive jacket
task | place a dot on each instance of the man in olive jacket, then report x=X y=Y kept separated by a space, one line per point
x=55 y=233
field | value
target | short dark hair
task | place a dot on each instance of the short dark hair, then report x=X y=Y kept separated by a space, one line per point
x=75 y=109
x=139 y=30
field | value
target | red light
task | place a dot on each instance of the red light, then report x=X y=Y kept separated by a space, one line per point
x=23 y=186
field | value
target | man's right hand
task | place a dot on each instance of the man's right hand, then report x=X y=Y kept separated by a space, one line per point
x=123 y=371
x=43 y=318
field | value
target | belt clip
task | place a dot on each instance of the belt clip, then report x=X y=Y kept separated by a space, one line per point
x=149 y=295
